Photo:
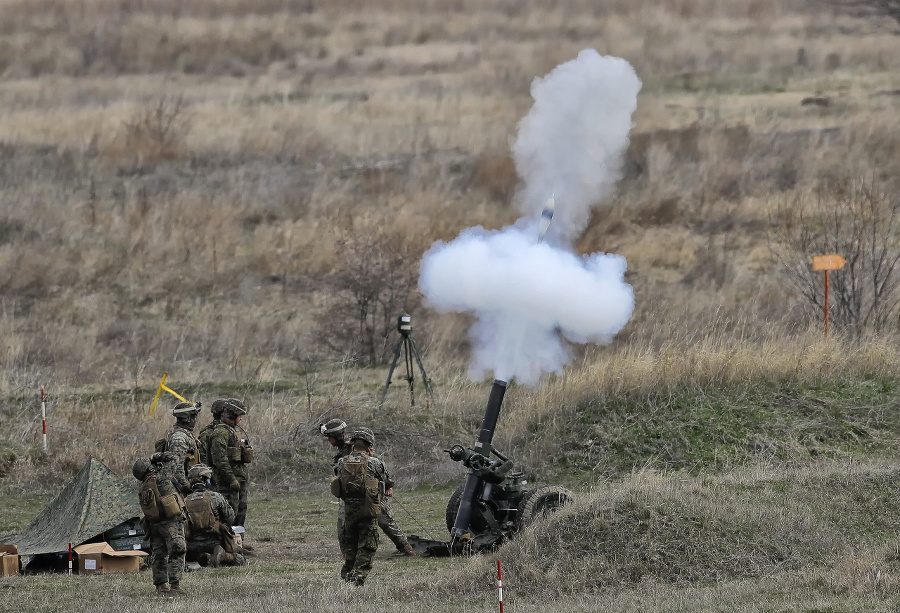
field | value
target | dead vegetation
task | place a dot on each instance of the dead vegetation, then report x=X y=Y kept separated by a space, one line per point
x=190 y=188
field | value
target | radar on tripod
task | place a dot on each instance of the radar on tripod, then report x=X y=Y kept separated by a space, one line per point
x=407 y=346
x=404 y=324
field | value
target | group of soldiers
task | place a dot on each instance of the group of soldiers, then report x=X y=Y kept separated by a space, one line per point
x=363 y=484
x=193 y=493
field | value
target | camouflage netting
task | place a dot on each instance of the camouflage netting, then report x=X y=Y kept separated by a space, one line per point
x=96 y=500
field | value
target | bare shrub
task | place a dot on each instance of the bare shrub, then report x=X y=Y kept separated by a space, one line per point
x=375 y=280
x=859 y=220
x=156 y=132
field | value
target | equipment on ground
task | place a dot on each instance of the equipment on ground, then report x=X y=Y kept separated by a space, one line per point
x=496 y=501
x=407 y=345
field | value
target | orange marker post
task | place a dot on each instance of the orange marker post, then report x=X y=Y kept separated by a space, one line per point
x=826 y=263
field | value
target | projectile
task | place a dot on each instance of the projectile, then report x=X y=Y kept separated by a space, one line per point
x=547 y=216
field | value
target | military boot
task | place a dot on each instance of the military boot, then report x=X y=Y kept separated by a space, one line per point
x=163 y=590
x=226 y=558
x=176 y=589
x=215 y=560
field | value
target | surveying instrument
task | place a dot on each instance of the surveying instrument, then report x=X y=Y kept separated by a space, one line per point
x=407 y=345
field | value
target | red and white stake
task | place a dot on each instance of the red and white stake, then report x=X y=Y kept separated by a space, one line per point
x=44 y=417
x=500 y=585
x=70 y=558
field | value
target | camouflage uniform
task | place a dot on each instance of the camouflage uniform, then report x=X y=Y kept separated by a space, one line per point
x=360 y=537
x=345 y=450
x=389 y=525
x=166 y=536
x=203 y=440
x=183 y=444
x=386 y=520
x=218 y=406
x=219 y=534
x=230 y=474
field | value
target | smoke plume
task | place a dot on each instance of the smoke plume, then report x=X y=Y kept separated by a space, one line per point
x=532 y=296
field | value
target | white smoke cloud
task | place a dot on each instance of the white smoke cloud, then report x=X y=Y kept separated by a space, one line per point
x=532 y=297
x=571 y=142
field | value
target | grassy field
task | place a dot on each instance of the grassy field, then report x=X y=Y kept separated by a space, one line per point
x=819 y=538
x=240 y=193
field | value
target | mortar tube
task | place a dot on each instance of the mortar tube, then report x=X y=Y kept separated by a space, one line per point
x=482 y=446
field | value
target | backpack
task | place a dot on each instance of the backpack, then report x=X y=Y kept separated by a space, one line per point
x=354 y=474
x=156 y=506
x=201 y=517
x=161 y=445
x=357 y=485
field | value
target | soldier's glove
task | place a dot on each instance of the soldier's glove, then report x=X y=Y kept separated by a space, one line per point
x=235 y=485
x=185 y=488
x=161 y=457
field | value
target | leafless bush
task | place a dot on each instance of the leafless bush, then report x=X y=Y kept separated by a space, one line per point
x=859 y=220
x=156 y=132
x=374 y=282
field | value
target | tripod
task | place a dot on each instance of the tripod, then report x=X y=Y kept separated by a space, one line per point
x=407 y=345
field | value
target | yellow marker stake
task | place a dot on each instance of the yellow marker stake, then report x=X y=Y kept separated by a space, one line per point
x=162 y=386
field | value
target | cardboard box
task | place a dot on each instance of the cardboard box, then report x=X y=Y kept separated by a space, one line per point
x=9 y=560
x=101 y=558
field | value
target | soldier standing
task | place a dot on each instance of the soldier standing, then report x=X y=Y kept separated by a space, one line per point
x=203 y=436
x=230 y=455
x=362 y=477
x=210 y=539
x=335 y=431
x=163 y=520
x=181 y=441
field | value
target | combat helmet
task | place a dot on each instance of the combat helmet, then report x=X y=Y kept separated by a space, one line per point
x=140 y=468
x=234 y=407
x=199 y=472
x=333 y=427
x=185 y=410
x=363 y=434
x=217 y=407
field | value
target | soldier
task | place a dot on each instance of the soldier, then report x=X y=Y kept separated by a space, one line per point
x=335 y=431
x=163 y=520
x=210 y=539
x=181 y=441
x=230 y=455
x=203 y=436
x=361 y=478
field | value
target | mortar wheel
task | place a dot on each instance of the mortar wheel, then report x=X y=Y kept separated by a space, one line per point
x=453 y=507
x=542 y=502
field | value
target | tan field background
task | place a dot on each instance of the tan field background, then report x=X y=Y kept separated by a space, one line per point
x=184 y=187
x=198 y=188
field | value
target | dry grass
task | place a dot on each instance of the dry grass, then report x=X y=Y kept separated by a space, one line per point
x=237 y=206
x=768 y=538
x=205 y=249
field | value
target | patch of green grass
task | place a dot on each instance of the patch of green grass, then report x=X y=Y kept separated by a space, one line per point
x=18 y=511
x=719 y=427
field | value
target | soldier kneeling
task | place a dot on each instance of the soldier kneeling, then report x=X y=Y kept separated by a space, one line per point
x=210 y=539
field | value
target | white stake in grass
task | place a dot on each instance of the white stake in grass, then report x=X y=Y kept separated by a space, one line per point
x=44 y=417
x=500 y=585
